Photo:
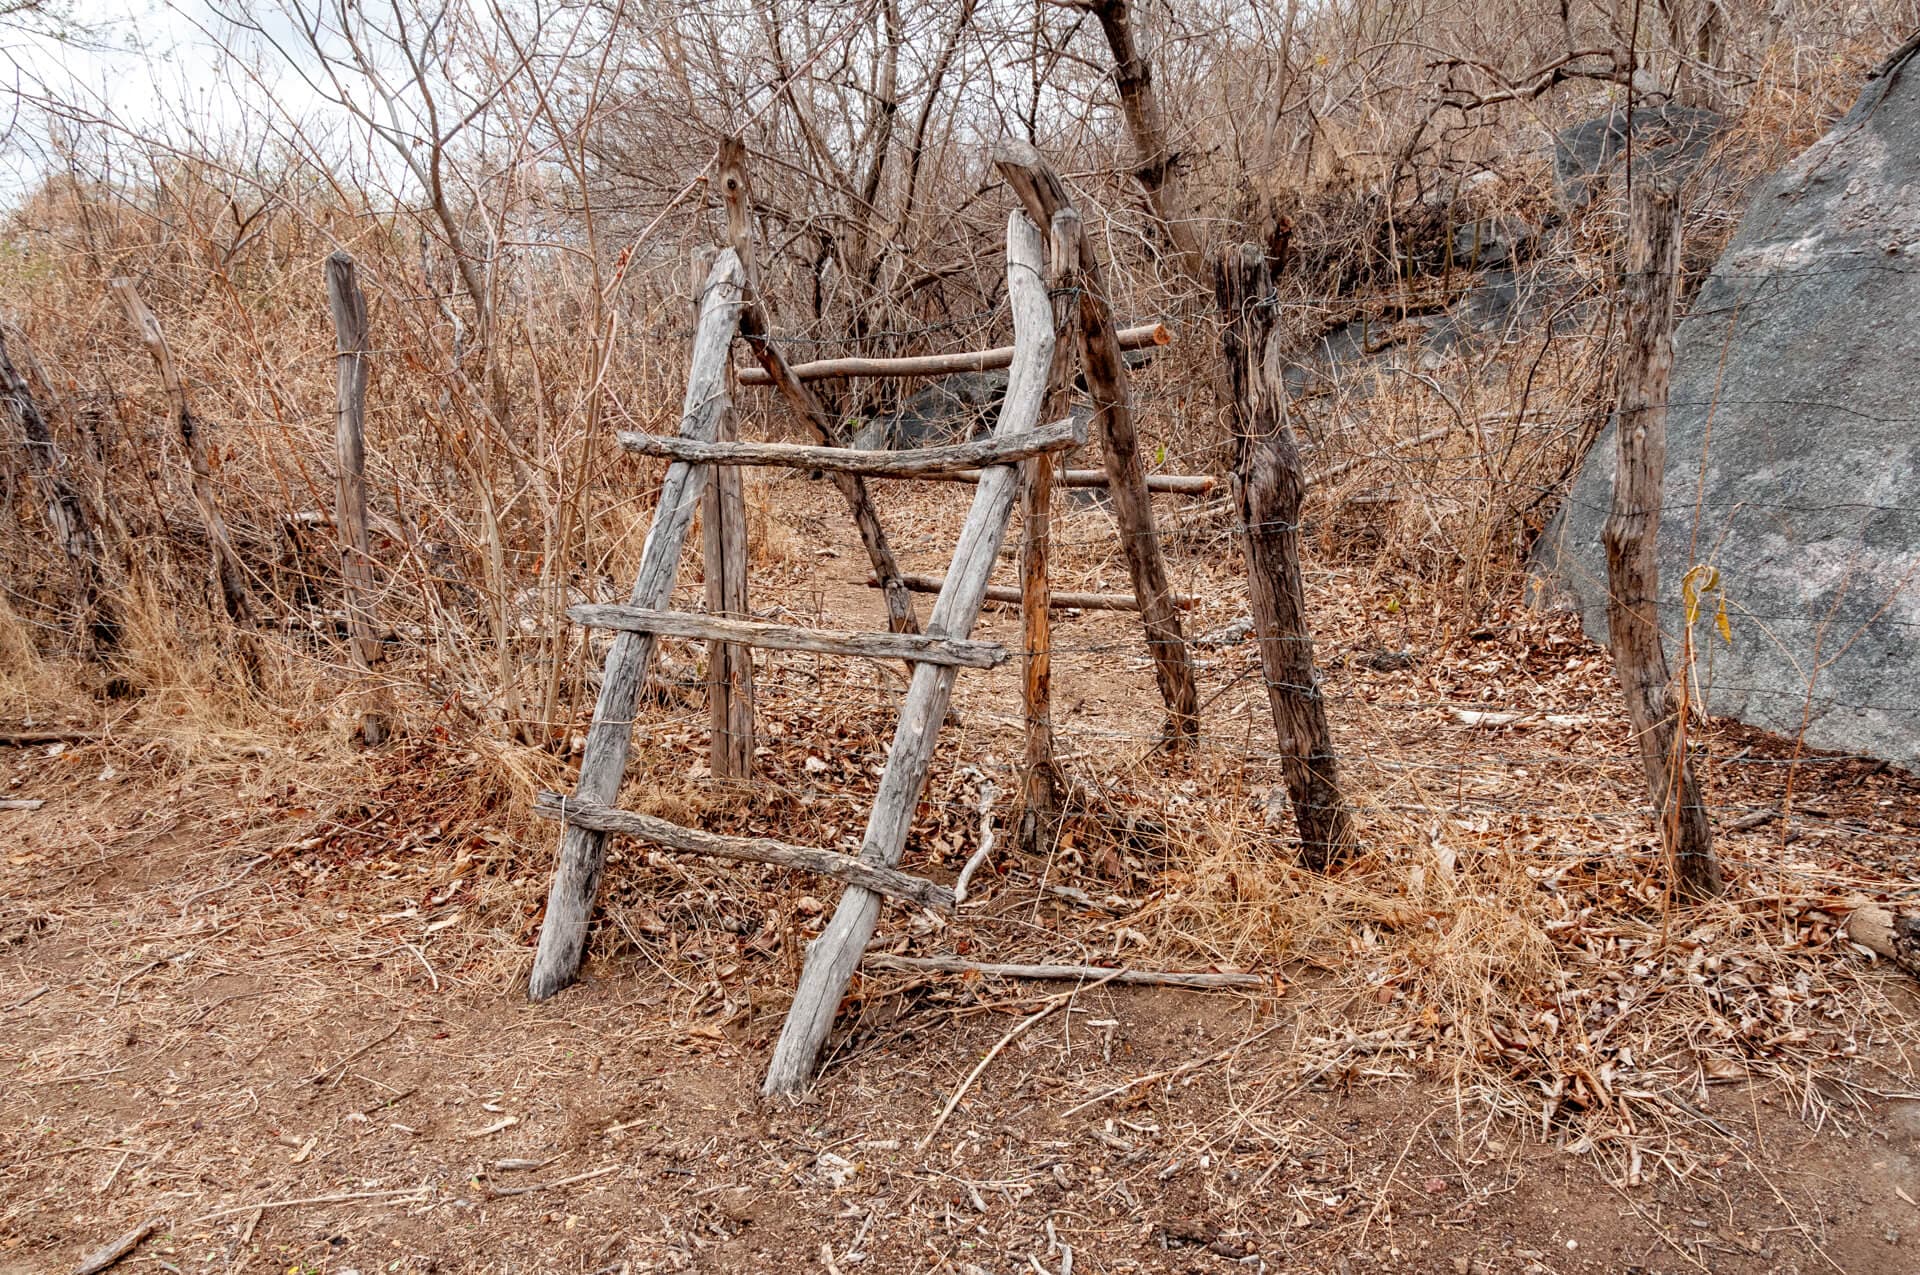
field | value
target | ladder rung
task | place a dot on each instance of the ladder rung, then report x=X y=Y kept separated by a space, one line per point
x=1135 y=338
x=1056 y=600
x=672 y=836
x=922 y=462
x=1181 y=484
x=919 y=647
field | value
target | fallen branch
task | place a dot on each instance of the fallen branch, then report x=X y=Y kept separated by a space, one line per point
x=1106 y=973
x=107 y=1254
x=987 y=793
x=22 y=803
x=589 y=1175
x=1554 y=721
x=1020 y=1029
x=342 y=1198
x=31 y=997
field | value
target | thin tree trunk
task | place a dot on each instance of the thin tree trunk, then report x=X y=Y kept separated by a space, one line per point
x=349 y=307
x=1156 y=166
x=1632 y=538
x=65 y=511
x=1269 y=490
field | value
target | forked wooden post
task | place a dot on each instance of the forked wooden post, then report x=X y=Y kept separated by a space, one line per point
x=1269 y=494
x=755 y=326
x=723 y=530
x=1043 y=194
x=1632 y=537
x=576 y=878
x=1039 y=780
x=349 y=307
x=832 y=957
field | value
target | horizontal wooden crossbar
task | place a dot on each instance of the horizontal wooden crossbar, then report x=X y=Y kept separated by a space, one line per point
x=1178 y=484
x=920 y=462
x=919 y=647
x=1057 y=600
x=939 y=364
x=846 y=868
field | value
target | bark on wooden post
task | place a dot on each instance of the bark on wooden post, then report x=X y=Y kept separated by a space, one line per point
x=832 y=957
x=1039 y=779
x=723 y=530
x=228 y=570
x=755 y=326
x=66 y=512
x=1632 y=537
x=1268 y=493
x=576 y=878
x=349 y=307
x=1043 y=194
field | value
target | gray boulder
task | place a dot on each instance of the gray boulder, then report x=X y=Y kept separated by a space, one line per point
x=1794 y=433
x=1667 y=139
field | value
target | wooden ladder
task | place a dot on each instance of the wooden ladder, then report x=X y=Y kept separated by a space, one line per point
x=937 y=654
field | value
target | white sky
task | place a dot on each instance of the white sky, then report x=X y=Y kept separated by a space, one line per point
x=159 y=69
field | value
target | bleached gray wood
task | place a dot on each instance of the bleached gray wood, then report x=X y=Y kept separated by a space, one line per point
x=1178 y=484
x=603 y=820
x=920 y=462
x=576 y=878
x=920 y=647
x=1135 y=338
x=1149 y=978
x=723 y=527
x=832 y=957
x=348 y=306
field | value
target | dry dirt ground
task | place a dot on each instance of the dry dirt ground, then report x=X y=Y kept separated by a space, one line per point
x=268 y=995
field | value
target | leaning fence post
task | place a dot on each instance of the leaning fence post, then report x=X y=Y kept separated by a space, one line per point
x=349 y=307
x=1268 y=492
x=1632 y=539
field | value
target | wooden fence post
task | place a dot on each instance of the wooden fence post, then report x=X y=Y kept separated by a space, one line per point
x=1043 y=194
x=1040 y=779
x=65 y=511
x=583 y=851
x=349 y=308
x=1269 y=491
x=723 y=534
x=1632 y=538
x=228 y=569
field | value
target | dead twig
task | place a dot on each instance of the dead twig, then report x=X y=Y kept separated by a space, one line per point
x=109 y=1253
x=588 y=1176
x=1020 y=1029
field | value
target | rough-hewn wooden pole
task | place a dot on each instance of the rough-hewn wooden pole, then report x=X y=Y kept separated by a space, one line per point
x=65 y=511
x=756 y=327
x=349 y=307
x=228 y=570
x=1632 y=538
x=576 y=878
x=1039 y=777
x=832 y=957
x=1043 y=194
x=723 y=530
x=1269 y=492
